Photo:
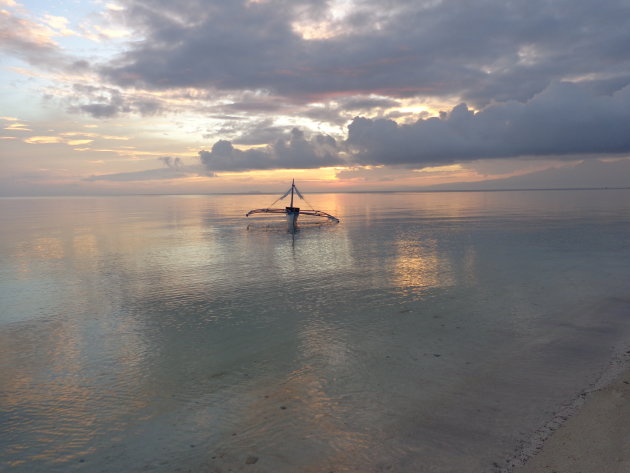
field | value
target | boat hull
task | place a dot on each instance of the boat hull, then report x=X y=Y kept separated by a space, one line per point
x=292 y=217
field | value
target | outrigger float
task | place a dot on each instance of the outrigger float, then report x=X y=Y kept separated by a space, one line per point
x=291 y=211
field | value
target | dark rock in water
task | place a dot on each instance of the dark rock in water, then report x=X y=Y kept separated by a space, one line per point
x=437 y=355
x=251 y=460
x=283 y=407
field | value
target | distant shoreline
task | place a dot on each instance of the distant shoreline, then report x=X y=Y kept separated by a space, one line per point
x=400 y=191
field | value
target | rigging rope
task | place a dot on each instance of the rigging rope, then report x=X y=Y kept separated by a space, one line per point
x=280 y=198
x=299 y=194
x=302 y=197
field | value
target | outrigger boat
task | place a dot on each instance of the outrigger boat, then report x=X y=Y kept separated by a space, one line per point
x=291 y=211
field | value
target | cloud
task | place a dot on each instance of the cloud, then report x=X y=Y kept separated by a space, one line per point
x=544 y=79
x=17 y=127
x=493 y=51
x=44 y=140
x=173 y=168
x=294 y=152
x=564 y=119
x=261 y=132
x=171 y=162
x=32 y=41
x=368 y=103
x=110 y=102
x=147 y=175
x=582 y=174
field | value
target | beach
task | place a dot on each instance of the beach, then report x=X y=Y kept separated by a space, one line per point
x=595 y=439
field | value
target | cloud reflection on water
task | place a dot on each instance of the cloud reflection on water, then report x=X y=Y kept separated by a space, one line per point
x=145 y=325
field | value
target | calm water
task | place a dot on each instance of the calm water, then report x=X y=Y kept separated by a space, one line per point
x=429 y=332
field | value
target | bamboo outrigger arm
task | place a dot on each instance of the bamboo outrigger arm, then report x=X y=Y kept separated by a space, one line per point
x=265 y=211
x=315 y=213
x=319 y=213
x=292 y=212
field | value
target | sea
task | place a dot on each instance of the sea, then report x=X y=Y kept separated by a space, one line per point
x=426 y=332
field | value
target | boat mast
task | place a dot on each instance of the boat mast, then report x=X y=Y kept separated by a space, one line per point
x=291 y=212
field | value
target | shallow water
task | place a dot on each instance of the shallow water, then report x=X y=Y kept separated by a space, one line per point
x=427 y=332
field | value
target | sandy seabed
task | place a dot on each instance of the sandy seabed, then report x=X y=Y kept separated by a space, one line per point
x=596 y=439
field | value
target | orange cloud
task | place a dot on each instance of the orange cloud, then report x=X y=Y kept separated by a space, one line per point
x=43 y=140
x=78 y=142
x=17 y=127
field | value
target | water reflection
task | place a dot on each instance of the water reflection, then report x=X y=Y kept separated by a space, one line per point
x=134 y=328
x=59 y=398
x=419 y=265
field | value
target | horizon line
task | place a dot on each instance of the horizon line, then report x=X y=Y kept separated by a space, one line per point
x=389 y=191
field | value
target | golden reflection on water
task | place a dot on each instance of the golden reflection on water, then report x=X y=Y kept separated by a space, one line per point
x=469 y=266
x=48 y=386
x=419 y=264
x=59 y=395
x=85 y=249
x=325 y=411
x=67 y=408
x=36 y=249
x=303 y=423
x=85 y=366
x=47 y=248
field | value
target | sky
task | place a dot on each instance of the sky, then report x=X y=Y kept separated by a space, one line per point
x=204 y=96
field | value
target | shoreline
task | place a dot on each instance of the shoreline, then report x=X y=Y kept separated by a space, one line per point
x=589 y=435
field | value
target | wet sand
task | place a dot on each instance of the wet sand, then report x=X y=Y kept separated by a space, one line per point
x=596 y=439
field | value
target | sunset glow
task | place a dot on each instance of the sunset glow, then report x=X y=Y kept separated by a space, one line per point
x=347 y=95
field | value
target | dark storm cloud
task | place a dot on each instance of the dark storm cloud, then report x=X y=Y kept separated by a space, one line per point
x=479 y=51
x=565 y=119
x=294 y=152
